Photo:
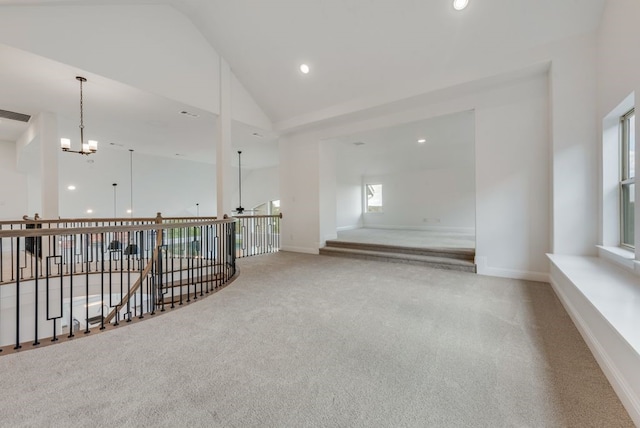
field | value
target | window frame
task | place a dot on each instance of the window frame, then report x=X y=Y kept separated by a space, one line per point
x=626 y=180
x=366 y=199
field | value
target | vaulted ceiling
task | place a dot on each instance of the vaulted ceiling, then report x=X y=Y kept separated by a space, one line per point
x=364 y=53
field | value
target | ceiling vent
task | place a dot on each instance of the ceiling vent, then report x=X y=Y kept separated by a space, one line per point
x=4 y=114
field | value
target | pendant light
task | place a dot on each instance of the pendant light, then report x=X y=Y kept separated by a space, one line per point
x=90 y=146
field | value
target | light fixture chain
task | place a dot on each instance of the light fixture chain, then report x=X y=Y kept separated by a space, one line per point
x=81 y=117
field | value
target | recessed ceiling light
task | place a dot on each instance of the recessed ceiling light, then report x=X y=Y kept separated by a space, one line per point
x=422 y=140
x=71 y=187
x=89 y=211
x=460 y=4
x=129 y=211
x=304 y=68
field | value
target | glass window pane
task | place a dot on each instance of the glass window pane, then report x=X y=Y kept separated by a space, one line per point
x=374 y=198
x=275 y=207
x=628 y=214
x=632 y=145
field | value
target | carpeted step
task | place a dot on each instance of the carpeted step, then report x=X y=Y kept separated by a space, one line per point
x=467 y=254
x=413 y=259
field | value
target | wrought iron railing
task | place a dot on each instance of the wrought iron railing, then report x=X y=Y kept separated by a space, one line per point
x=62 y=277
x=257 y=234
x=65 y=276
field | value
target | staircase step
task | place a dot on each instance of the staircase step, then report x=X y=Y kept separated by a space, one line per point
x=467 y=254
x=413 y=259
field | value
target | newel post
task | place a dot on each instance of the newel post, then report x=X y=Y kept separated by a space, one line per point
x=158 y=231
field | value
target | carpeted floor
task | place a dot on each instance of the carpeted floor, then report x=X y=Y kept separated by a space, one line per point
x=312 y=341
x=408 y=238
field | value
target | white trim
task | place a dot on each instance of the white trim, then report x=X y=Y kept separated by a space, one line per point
x=483 y=269
x=304 y=250
x=620 y=348
x=618 y=255
x=514 y=274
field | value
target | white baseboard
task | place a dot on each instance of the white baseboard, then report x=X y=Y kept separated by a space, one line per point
x=304 y=250
x=483 y=269
x=614 y=374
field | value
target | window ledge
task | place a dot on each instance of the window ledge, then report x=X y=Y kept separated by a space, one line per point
x=620 y=256
x=613 y=292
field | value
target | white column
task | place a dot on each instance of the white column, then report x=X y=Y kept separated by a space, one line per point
x=49 y=148
x=224 y=153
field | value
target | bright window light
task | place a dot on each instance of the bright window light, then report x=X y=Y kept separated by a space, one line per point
x=304 y=68
x=374 y=198
x=460 y=4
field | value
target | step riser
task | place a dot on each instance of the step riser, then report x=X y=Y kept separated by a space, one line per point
x=451 y=254
x=382 y=258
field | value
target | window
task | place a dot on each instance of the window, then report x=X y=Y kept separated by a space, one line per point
x=374 y=198
x=274 y=207
x=627 y=178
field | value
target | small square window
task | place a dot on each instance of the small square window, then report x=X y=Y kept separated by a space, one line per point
x=374 y=198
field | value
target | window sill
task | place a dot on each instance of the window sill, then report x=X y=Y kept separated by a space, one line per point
x=620 y=256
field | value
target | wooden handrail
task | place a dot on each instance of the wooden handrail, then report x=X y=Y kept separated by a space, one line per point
x=259 y=216
x=145 y=272
x=26 y=220
x=101 y=229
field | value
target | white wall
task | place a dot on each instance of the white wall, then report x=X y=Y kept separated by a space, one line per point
x=299 y=193
x=536 y=170
x=348 y=196
x=151 y=47
x=434 y=199
x=512 y=180
x=258 y=186
x=512 y=173
x=427 y=185
x=574 y=148
x=13 y=198
x=327 y=191
x=170 y=186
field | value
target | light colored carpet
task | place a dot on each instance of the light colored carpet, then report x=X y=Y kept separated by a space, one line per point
x=311 y=341
x=408 y=238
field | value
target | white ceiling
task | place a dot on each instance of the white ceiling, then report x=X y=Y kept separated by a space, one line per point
x=146 y=123
x=450 y=143
x=357 y=50
x=371 y=49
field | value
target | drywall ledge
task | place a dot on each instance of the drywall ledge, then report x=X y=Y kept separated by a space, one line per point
x=603 y=301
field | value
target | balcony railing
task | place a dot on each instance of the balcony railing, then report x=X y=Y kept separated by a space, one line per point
x=257 y=234
x=64 y=278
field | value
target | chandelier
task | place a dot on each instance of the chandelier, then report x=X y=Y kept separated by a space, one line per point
x=90 y=146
